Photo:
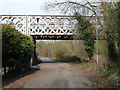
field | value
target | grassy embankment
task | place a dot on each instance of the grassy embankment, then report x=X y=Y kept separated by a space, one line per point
x=105 y=69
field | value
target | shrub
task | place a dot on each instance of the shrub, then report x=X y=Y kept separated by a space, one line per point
x=17 y=48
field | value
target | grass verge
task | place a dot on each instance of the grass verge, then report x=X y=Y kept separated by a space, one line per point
x=101 y=78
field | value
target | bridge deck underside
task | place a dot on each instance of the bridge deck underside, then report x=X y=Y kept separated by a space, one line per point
x=53 y=37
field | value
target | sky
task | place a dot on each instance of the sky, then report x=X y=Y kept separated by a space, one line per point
x=25 y=7
x=29 y=7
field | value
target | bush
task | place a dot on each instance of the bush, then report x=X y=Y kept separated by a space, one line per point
x=17 y=49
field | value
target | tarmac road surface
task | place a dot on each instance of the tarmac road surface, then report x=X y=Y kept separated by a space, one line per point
x=58 y=75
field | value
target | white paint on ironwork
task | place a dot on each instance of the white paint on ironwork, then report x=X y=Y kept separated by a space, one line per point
x=41 y=25
x=17 y=21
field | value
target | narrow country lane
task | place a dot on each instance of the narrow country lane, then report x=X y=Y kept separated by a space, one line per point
x=58 y=75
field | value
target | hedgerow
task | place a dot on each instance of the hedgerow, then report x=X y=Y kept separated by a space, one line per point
x=17 y=49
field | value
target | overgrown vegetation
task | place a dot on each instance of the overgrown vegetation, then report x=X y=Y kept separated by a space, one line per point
x=17 y=50
x=85 y=30
x=111 y=28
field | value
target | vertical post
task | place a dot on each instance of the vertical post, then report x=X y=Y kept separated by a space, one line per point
x=0 y=57
x=26 y=24
x=49 y=48
x=97 y=38
x=31 y=62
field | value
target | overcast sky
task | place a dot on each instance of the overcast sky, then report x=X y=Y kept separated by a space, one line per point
x=25 y=7
x=28 y=7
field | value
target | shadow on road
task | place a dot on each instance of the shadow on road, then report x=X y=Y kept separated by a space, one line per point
x=47 y=60
x=60 y=60
x=50 y=61
x=8 y=80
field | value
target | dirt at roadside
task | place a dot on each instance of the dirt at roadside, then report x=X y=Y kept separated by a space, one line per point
x=19 y=81
x=97 y=80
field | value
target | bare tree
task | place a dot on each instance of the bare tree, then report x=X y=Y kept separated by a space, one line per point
x=70 y=7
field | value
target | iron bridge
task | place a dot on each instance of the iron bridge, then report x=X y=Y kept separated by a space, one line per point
x=43 y=27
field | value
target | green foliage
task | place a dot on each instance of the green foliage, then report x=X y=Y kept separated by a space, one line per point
x=111 y=20
x=60 y=52
x=17 y=48
x=85 y=30
x=67 y=49
x=41 y=49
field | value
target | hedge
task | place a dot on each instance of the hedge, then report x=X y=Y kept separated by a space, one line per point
x=17 y=49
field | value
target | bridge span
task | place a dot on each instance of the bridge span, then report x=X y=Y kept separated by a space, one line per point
x=46 y=27
x=56 y=27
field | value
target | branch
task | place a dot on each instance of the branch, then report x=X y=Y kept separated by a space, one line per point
x=74 y=3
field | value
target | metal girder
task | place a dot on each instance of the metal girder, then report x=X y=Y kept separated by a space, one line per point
x=18 y=21
x=41 y=25
x=47 y=26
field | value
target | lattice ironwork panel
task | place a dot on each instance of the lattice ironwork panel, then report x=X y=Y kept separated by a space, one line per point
x=18 y=21
x=41 y=25
x=51 y=25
